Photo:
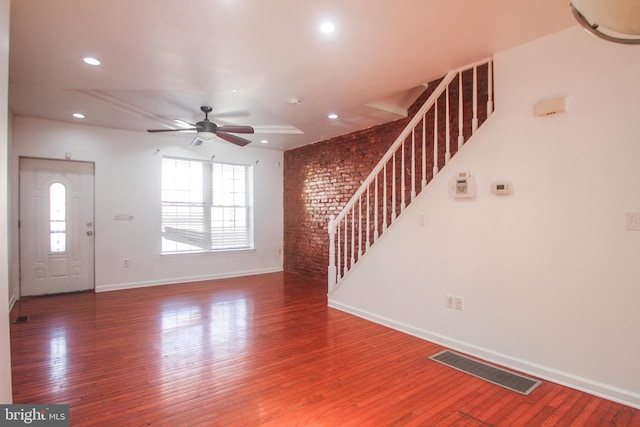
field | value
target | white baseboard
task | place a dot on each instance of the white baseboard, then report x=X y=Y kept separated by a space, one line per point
x=586 y=385
x=173 y=281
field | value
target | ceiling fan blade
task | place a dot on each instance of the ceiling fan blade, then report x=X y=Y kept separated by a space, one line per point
x=235 y=129
x=183 y=124
x=196 y=141
x=170 y=130
x=233 y=139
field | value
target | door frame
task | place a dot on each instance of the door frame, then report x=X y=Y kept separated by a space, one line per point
x=19 y=237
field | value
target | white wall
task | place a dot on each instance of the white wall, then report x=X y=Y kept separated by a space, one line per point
x=127 y=179
x=5 y=353
x=549 y=275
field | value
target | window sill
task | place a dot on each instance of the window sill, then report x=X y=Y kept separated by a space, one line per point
x=205 y=252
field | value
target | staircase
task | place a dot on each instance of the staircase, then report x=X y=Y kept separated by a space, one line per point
x=421 y=150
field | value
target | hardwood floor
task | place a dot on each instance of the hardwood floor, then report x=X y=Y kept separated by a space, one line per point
x=260 y=350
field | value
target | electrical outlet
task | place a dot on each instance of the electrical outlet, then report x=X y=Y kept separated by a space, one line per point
x=633 y=221
x=459 y=303
x=451 y=301
x=125 y=262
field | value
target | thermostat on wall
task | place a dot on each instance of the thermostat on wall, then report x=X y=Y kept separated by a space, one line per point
x=501 y=187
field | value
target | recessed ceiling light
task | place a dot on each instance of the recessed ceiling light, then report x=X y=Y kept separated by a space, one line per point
x=333 y=116
x=91 y=61
x=327 y=27
x=78 y=115
x=264 y=141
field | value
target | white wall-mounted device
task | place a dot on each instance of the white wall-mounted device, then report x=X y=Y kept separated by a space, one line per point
x=549 y=106
x=462 y=186
x=122 y=216
x=501 y=188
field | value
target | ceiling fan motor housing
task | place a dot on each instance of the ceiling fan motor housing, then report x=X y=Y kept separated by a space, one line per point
x=206 y=126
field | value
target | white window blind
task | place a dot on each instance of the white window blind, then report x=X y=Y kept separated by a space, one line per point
x=206 y=206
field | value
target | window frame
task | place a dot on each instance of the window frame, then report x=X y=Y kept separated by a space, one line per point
x=203 y=240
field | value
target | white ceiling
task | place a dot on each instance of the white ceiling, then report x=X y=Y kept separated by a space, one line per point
x=163 y=59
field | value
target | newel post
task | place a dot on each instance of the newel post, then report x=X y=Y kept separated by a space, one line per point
x=332 y=271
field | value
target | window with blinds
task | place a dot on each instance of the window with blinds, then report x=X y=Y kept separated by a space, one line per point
x=206 y=206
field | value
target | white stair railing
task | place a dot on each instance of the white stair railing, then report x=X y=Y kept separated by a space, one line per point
x=356 y=228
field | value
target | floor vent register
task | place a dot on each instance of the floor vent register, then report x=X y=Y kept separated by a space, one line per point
x=501 y=377
x=21 y=319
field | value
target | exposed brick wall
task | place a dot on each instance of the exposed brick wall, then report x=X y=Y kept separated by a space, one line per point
x=319 y=179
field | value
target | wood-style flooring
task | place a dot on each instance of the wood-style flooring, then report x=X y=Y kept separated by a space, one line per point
x=259 y=350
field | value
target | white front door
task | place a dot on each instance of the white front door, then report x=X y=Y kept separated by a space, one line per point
x=56 y=226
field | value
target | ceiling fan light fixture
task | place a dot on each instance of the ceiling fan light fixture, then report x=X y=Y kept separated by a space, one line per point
x=617 y=21
x=206 y=136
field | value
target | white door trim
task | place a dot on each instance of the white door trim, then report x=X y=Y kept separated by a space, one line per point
x=47 y=270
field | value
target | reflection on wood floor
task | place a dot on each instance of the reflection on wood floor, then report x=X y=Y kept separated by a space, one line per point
x=257 y=350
